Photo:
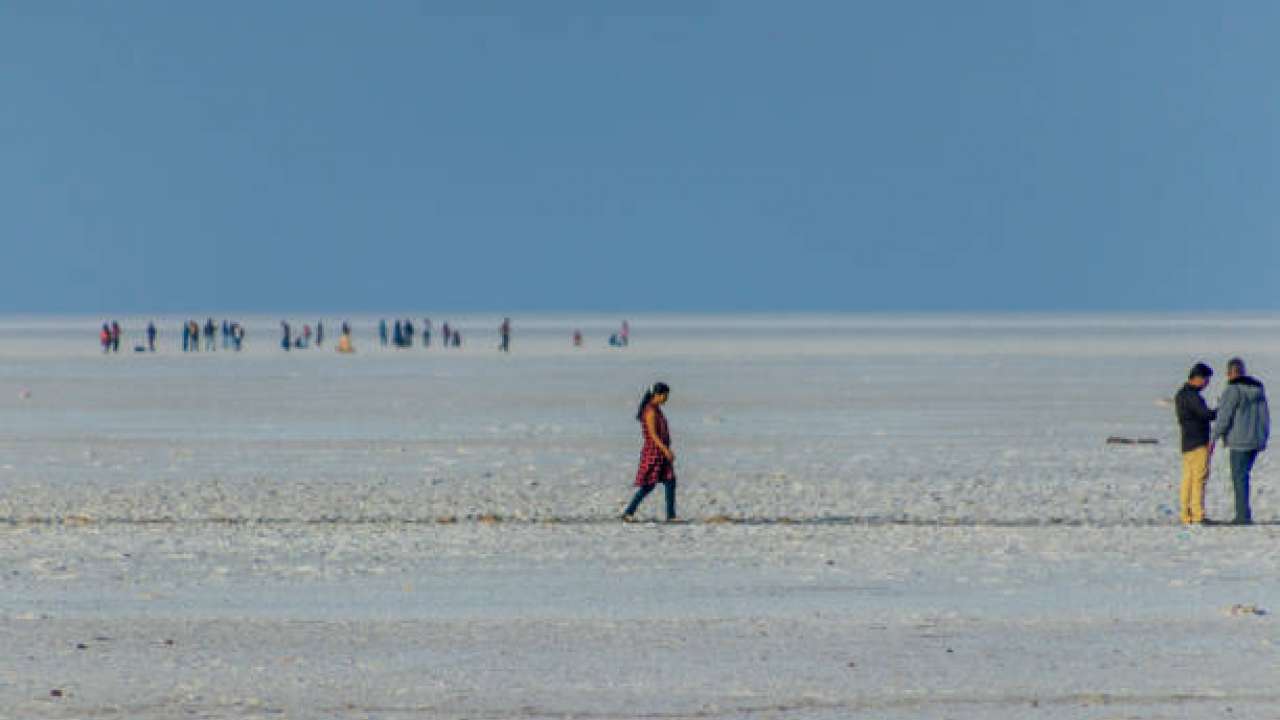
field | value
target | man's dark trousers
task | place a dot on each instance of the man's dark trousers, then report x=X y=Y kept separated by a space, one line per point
x=1241 y=465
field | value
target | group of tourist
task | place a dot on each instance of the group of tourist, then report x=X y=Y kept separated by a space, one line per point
x=109 y=337
x=398 y=334
x=402 y=334
x=232 y=335
x=289 y=340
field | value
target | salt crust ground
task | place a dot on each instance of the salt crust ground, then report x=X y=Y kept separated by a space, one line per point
x=506 y=621
x=933 y=527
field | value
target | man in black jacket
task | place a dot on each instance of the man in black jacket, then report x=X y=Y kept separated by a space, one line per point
x=1196 y=420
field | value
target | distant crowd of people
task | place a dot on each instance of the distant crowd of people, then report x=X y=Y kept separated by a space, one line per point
x=302 y=340
x=232 y=335
x=109 y=338
x=402 y=334
x=397 y=334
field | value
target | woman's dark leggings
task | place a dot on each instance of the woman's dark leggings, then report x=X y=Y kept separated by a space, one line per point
x=669 y=486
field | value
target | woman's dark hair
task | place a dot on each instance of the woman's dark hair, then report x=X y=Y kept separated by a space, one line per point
x=658 y=388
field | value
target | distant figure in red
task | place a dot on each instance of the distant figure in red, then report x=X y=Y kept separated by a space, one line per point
x=577 y=338
x=657 y=461
x=104 y=337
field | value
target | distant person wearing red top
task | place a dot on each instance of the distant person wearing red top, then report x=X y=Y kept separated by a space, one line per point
x=657 y=461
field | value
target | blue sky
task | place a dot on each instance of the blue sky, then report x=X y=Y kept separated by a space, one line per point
x=602 y=156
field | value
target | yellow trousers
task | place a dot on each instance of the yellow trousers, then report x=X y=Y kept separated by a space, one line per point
x=1195 y=471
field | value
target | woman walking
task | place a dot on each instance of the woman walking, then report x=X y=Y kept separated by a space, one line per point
x=657 y=461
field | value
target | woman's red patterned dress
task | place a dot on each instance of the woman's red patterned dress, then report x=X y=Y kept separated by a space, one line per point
x=654 y=466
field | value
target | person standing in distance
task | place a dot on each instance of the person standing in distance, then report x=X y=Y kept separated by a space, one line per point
x=1243 y=425
x=1196 y=422
x=657 y=461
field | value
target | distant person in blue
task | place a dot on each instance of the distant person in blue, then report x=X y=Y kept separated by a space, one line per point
x=319 y=333
x=426 y=332
x=151 y=337
x=237 y=336
x=505 y=330
x=1244 y=426
x=408 y=333
x=382 y=331
x=186 y=337
x=115 y=336
x=209 y=330
x=226 y=334
x=446 y=335
x=397 y=335
x=285 y=332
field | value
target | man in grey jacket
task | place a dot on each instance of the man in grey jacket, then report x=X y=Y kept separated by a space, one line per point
x=1244 y=424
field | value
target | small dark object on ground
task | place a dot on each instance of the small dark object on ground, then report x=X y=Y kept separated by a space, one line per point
x=1115 y=440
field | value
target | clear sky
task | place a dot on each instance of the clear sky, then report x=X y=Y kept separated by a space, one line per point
x=706 y=156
